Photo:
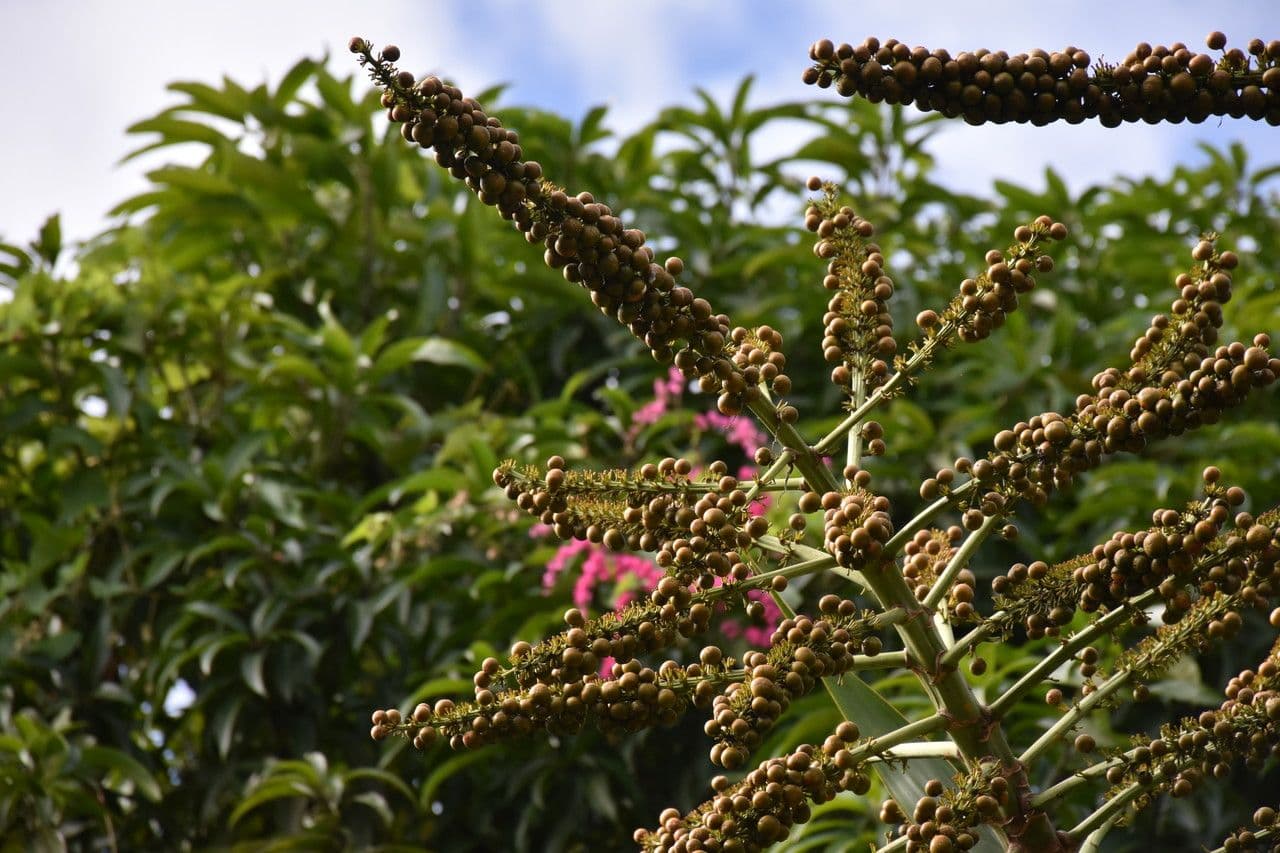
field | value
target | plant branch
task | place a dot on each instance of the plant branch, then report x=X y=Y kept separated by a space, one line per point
x=959 y=560
x=1074 y=715
x=1109 y=811
x=1038 y=673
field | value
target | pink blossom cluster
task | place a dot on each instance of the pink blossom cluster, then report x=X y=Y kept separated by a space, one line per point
x=665 y=392
x=738 y=431
x=630 y=574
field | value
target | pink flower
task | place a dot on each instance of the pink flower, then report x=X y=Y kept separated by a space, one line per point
x=665 y=393
x=738 y=431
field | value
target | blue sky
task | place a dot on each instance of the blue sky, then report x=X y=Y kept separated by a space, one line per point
x=86 y=70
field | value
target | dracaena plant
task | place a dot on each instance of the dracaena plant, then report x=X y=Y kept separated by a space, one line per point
x=957 y=777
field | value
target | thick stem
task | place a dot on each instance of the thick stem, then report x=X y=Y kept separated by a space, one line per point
x=970 y=725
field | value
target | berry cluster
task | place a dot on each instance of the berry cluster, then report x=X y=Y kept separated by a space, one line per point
x=943 y=819
x=1262 y=837
x=696 y=526
x=1047 y=451
x=925 y=557
x=757 y=357
x=1186 y=558
x=761 y=809
x=983 y=302
x=580 y=650
x=858 y=337
x=1175 y=383
x=802 y=650
x=1152 y=84
x=1174 y=343
x=634 y=698
x=1245 y=727
x=582 y=236
x=856 y=523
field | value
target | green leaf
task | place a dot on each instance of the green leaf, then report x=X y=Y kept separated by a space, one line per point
x=295 y=367
x=222 y=724
x=116 y=768
x=443 y=773
x=49 y=243
x=251 y=668
x=268 y=792
x=173 y=131
x=378 y=803
x=293 y=80
x=230 y=105
x=433 y=350
x=382 y=776
x=195 y=180
x=212 y=649
x=217 y=613
x=115 y=386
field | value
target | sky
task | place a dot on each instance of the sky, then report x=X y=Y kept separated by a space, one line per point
x=90 y=69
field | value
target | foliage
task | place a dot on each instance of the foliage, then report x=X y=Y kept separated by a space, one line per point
x=248 y=434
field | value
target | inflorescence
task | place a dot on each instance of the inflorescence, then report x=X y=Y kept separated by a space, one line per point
x=1204 y=563
x=1151 y=84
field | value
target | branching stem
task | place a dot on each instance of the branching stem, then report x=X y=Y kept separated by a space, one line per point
x=1042 y=670
x=959 y=560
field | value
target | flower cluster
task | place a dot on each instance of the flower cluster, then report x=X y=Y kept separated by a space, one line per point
x=761 y=809
x=801 y=651
x=582 y=237
x=1152 y=83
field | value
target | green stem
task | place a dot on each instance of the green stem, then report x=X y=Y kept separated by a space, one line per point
x=923 y=749
x=1114 y=806
x=854 y=455
x=1082 y=777
x=1038 y=673
x=809 y=463
x=1074 y=715
x=884 y=660
x=782 y=462
x=909 y=732
x=899 y=843
x=776 y=546
x=971 y=639
x=914 y=365
x=926 y=515
x=1093 y=843
x=959 y=561
x=969 y=723
x=815 y=560
x=1258 y=834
